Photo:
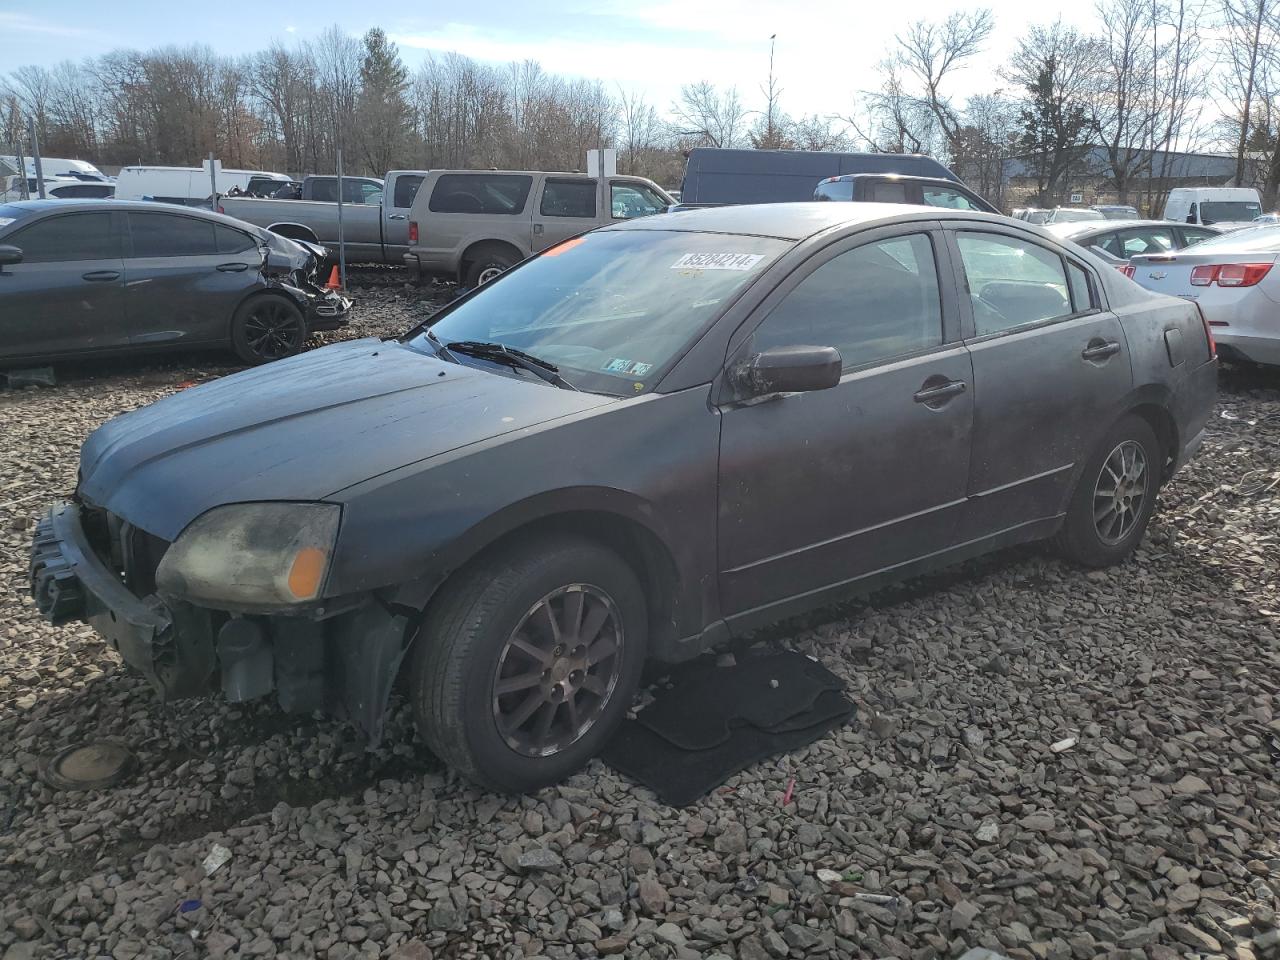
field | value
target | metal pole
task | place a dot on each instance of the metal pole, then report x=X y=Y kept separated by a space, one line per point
x=342 y=247
x=213 y=185
x=35 y=155
x=23 y=190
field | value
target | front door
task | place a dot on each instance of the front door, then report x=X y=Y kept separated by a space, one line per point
x=67 y=294
x=566 y=208
x=184 y=277
x=1050 y=370
x=823 y=488
x=397 y=202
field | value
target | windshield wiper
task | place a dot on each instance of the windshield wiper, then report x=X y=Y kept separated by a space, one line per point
x=501 y=353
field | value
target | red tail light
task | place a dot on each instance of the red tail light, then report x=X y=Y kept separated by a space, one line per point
x=220 y=210
x=413 y=231
x=1208 y=331
x=1229 y=274
x=1127 y=269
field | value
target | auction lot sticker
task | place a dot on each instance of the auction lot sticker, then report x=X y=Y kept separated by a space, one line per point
x=717 y=261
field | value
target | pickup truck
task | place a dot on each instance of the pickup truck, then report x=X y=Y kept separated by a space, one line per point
x=473 y=224
x=375 y=214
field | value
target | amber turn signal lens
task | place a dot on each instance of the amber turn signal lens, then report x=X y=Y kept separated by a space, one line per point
x=304 y=575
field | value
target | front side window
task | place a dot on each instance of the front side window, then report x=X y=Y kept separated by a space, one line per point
x=569 y=198
x=406 y=189
x=611 y=309
x=951 y=199
x=76 y=236
x=490 y=193
x=162 y=235
x=361 y=191
x=1011 y=282
x=630 y=200
x=872 y=302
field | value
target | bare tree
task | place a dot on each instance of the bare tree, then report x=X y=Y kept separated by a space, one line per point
x=931 y=52
x=715 y=118
x=771 y=131
x=642 y=132
x=1121 y=111
x=1249 y=45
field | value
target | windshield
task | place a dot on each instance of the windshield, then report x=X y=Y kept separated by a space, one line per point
x=613 y=308
x=1215 y=211
x=1119 y=213
x=1071 y=216
x=1265 y=239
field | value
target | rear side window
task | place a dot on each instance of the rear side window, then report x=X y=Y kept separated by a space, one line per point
x=162 y=235
x=1146 y=240
x=231 y=240
x=1194 y=235
x=1012 y=282
x=841 y=190
x=76 y=236
x=872 y=302
x=886 y=191
x=491 y=193
x=1081 y=293
x=569 y=198
x=406 y=189
x=951 y=199
x=1109 y=242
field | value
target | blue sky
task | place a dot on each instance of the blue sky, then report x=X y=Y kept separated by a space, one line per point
x=825 y=49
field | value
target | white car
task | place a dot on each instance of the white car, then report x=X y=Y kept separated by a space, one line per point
x=1235 y=282
x=56 y=188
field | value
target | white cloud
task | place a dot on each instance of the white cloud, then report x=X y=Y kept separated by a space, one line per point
x=291 y=29
x=24 y=23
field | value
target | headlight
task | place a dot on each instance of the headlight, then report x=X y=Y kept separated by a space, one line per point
x=252 y=553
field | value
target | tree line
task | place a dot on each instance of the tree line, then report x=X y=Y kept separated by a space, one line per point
x=1150 y=77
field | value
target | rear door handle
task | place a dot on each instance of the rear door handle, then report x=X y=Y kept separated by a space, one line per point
x=1100 y=349
x=101 y=275
x=397 y=216
x=942 y=391
x=537 y=229
x=233 y=267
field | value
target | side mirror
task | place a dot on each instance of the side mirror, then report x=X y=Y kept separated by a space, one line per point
x=795 y=369
x=9 y=255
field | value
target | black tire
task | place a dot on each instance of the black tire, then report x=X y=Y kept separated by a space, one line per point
x=466 y=646
x=489 y=262
x=1098 y=531
x=267 y=327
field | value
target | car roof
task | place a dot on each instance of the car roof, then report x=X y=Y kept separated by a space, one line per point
x=33 y=207
x=1068 y=227
x=795 y=221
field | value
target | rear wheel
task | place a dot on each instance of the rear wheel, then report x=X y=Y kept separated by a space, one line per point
x=526 y=665
x=489 y=264
x=1114 y=497
x=267 y=328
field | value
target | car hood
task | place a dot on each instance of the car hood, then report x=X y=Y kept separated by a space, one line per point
x=304 y=428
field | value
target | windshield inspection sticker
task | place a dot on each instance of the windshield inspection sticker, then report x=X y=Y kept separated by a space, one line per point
x=627 y=368
x=717 y=261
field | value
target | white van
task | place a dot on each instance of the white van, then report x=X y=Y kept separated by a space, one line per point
x=51 y=167
x=188 y=185
x=1228 y=208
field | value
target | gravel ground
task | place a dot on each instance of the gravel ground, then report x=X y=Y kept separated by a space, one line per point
x=943 y=819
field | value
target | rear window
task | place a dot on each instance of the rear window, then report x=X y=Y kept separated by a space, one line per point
x=835 y=190
x=1249 y=240
x=76 y=236
x=501 y=194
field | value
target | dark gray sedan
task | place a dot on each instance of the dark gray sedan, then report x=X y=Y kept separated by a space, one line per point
x=105 y=276
x=638 y=444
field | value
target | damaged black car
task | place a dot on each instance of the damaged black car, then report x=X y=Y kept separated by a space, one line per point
x=638 y=444
x=92 y=277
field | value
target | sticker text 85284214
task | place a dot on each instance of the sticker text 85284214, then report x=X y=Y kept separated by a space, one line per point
x=717 y=261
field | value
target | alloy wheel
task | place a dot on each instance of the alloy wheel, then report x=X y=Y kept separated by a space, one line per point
x=489 y=273
x=1120 y=492
x=273 y=330
x=558 y=670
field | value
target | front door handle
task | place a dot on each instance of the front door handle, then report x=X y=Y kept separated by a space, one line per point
x=101 y=275
x=1099 y=349
x=397 y=216
x=233 y=267
x=939 y=391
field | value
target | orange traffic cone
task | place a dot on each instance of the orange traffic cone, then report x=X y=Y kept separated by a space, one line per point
x=333 y=283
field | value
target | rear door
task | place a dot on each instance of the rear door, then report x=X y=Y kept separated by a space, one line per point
x=466 y=207
x=185 y=276
x=565 y=208
x=67 y=295
x=1050 y=370
x=397 y=201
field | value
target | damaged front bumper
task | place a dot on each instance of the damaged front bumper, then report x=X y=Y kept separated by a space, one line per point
x=342 y=659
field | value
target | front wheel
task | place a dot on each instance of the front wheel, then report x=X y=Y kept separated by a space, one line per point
x=267 y=328
x=1114 y=497
x=489 y=265
x=526 y=665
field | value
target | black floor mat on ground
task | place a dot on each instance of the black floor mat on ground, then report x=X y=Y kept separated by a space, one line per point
x=715 y=721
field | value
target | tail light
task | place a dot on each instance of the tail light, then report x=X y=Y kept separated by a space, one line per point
x=1229 y=274
x=1127 y=269
x=220 y=210
x=1208 y=331
x=413 y=231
